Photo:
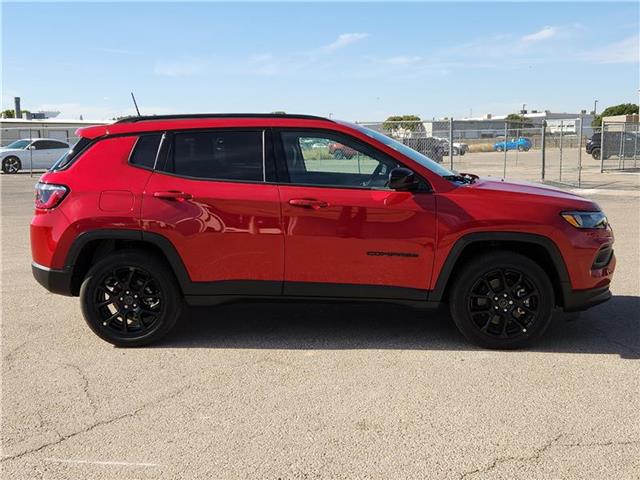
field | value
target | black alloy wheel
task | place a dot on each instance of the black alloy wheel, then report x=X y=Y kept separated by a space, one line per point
x=130 y=298
x=11 y=165
x=502 y=299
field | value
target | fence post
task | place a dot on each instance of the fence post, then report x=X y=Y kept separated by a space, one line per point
x=602 y=135
x=451 y=142
x=635 y=146
x=543 y=147
x=561 y=142
x=30 y=153
x=580 y=151
x=504 y=166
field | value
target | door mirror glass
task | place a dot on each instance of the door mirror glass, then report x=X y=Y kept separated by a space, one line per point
x=402 y=179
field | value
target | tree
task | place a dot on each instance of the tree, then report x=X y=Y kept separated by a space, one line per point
x=11 y=113
x=517 y=120
x=405 y=122
x=621 y=109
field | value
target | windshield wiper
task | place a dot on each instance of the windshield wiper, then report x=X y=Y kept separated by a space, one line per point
x=462 y=177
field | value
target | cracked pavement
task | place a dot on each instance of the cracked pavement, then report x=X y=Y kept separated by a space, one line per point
x=303 y=391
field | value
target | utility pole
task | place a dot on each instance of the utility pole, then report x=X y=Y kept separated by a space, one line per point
x=595 y=105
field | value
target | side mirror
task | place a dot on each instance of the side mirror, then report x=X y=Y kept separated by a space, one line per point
x=403 y=179
x=31 y=147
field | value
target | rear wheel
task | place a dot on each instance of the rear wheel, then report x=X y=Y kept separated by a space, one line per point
x=502 y=300
x=130 y=298
x=595 y=153
x=11 y=165
x=499 y=149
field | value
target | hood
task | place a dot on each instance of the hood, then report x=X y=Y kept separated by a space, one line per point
x=10 y=150
x=543 y=192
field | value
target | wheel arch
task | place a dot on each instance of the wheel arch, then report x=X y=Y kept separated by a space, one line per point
x=92 y=246
x=538 y=248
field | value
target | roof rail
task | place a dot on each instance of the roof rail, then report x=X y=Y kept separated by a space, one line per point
x=134 y=119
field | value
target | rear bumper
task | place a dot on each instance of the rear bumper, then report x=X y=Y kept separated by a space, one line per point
x=578 y=300
x=56 y=281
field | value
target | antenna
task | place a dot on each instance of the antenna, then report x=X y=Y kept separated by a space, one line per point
x=135 y=104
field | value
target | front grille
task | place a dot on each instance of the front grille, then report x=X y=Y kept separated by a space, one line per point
x=603 y=257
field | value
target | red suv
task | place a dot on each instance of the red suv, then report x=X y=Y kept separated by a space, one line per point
x=150 y=213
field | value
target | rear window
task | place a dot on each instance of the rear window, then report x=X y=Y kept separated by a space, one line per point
x=66 y=159
x=145 y=151
x=218 y=155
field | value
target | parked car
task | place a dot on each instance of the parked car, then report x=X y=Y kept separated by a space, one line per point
x=459 y=148
x=39 y=153
x=341 y=151
x=148 y=214
x=430 y=147
x=521 y=144
x=616 y=144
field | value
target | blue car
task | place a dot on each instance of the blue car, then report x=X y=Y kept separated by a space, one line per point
x=521 y=144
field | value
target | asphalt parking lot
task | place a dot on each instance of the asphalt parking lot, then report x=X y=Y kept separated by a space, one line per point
x=301 y=391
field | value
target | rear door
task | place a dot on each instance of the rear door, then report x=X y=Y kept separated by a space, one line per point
x=209 y=196
x=346 y=233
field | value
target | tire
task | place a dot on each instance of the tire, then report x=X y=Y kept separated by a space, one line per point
x=339 y=154
x=11 y=165
x=499 y=149
x=462 y=152
x=595 y=153
x=138 y=278
x=456 y=151
x=521 y=148
x=492 y=316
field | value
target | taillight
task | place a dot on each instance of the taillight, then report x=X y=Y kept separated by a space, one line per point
x=49 y=195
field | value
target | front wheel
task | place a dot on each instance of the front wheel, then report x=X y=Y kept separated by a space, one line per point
x=499 y=149
x=11 y=165
x=130 y=298
x=502 y=300
x=595 y=153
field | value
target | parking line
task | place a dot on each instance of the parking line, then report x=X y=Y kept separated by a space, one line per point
x=101 y=462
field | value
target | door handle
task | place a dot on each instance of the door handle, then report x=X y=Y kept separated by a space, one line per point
x=311 y=203
x=173 y=195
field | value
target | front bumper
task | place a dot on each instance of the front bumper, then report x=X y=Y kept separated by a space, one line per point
x=56 y=281
x=578 y=300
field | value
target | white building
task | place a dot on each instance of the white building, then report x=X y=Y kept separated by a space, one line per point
x=15 y=128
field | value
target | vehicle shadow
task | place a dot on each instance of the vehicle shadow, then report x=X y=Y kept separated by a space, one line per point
x=611 y=328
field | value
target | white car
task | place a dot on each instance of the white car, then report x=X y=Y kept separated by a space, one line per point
x=36 y=153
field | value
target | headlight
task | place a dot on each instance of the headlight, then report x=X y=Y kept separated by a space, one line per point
x=586 y=219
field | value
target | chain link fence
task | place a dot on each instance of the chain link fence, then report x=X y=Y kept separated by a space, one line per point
x=554 y=151
x=617 y=146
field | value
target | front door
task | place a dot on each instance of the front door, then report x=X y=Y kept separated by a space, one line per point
x=346 y=233
x=208 y=196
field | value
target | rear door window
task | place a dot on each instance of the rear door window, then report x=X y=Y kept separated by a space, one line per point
x=236 y=155
x=145 y=150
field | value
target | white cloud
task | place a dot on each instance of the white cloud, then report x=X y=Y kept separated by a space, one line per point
x=544 y=33
x=343 y=40
x=625 y=51
x=404 y=60
x=181 y=68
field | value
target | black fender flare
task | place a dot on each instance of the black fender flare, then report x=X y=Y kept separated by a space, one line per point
x=437 y=293
x=160 y=241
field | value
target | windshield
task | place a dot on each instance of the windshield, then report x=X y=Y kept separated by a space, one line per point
x=407 y=151
x=19 y=144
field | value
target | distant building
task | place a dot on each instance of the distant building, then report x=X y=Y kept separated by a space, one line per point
x=16 y=128
x=491 y=126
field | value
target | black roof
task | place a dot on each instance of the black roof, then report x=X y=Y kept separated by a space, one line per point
x=133 y=119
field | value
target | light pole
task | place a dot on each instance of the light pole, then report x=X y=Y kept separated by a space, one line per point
x=595 y=104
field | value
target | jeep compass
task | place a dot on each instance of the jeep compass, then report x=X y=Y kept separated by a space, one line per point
x=150 y=214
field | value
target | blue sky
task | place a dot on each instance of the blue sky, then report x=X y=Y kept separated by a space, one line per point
x=357 y=61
